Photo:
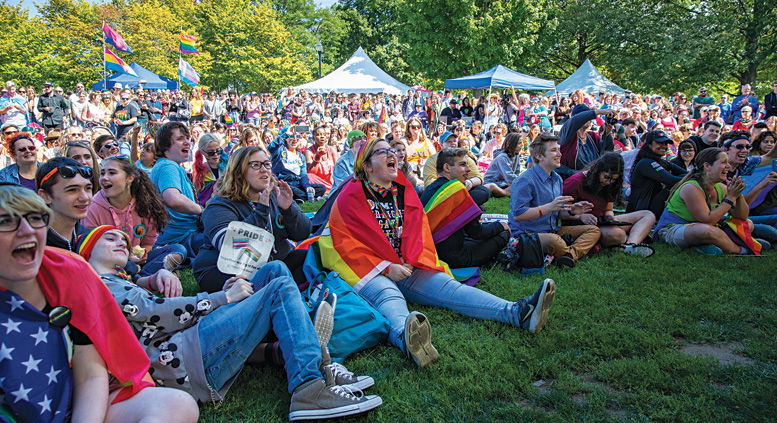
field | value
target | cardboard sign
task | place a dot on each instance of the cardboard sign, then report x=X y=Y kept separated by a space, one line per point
x=245 y=250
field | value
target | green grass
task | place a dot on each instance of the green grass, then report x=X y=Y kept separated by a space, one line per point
x=611 y=350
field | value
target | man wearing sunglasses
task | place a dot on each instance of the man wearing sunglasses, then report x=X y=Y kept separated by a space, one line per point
x=125 y=115
x=66 y=187
x=13 y=106
x=52 y=106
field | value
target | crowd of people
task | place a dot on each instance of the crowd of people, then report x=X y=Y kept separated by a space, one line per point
x=124 y=188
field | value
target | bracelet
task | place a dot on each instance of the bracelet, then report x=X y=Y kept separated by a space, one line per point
x=570 y=212
x=540 y=209
x=730 y=203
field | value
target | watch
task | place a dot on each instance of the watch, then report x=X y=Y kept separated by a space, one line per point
x=730 y=203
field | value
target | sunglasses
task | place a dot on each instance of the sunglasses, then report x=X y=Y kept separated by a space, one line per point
x=31 y=149
x=743 y=146
x=214 y=153
x=10 y=223
x=109 y=145
x=125 y=98
x=10 y=131
x=415 y=127
x=256 y=165
x=69 y=172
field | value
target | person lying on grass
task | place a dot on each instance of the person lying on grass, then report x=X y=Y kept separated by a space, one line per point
x=102 y=376
x=601 y=184
x=378 y=239
x=246 y=193
x=459 y=237
x=199 y=344
x=699 y=202
x=537 y=202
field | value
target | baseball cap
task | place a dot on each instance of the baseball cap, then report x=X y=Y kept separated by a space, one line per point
x=657 y=136
x=580 y=108
x=117 y=85
x=48 y=84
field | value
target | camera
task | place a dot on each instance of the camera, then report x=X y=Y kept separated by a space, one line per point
x=612 y=120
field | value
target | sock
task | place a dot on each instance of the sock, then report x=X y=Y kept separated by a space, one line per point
x=277 y=357
x=742 y=251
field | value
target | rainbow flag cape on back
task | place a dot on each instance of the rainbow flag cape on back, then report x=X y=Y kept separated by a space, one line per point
x=353 y=244
x=449 y=209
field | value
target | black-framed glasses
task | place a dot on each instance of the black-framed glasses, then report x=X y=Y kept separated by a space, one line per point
x=687 y=151
x=10 y=223
x=69 y=172
x=110 y=145
x=743 y=146
x=214 y=153
x=256 y=165
x=384 y=152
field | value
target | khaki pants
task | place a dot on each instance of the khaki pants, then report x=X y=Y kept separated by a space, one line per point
x=585 y=237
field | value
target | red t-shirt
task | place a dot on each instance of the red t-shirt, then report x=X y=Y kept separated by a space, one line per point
x=573 y=187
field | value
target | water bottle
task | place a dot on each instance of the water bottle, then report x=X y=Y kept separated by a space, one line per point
x=311 y=194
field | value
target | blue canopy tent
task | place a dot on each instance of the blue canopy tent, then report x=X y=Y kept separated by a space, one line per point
x=500 y=77
x=153 y=81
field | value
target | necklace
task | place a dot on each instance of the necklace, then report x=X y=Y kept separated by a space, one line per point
x=69 y=245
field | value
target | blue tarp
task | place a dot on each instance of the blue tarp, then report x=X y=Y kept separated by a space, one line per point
x=153 y=81
x=500 y=77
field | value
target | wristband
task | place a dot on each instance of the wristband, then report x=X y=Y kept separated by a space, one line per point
x=540 y=209
x=730 y=203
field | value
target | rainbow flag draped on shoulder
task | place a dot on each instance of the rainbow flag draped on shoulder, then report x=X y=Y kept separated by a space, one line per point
x=449 y=209
x=354 y=245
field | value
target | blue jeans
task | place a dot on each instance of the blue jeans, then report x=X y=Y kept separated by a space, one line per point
x=155 y=259
x=437 y=289
x=230 y=334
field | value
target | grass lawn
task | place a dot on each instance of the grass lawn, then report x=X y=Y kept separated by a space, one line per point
x=678 y=337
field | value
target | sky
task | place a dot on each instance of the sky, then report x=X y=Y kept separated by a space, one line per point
x=33 y=12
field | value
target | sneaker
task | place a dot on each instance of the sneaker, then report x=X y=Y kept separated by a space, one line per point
x=765 y=245
x=343 y=376
x=324 y=319
x=172 y=261
x=643 y=250
x=709 y=250
x=418 y=340
x=565 y=261
x=323 y=399
x=534 y=314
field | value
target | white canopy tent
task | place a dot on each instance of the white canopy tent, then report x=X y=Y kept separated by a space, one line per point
x=588 y=79
x=358 y=75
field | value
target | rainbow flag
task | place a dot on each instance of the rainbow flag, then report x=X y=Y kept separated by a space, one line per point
x=187 y=44
x=353 y=244
x=114 y=38
x=114 y=63
x=228 y=120
x=449 y=209
x=252 y=255
x=739 y=231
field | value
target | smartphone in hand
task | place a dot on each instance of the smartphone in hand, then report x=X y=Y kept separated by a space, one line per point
x=774 y=165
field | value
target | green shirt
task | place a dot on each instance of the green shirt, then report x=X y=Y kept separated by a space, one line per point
x=708 y=100
x=677 y=205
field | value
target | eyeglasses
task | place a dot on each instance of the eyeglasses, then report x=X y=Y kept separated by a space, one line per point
x=743 y=146
x=109 y=145
x=384 y=152
x=458 y=129
x=10 y=131
x=256 y=165
x=688 y=151
x=125 y=98
x=214 y=153
x=10 y=223
x=497 y=132
x=69 y=172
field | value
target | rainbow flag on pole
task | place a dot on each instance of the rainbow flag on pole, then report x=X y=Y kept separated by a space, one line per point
x=187 y=44
x=187 y=73
x=114 y=38
x=114 y=63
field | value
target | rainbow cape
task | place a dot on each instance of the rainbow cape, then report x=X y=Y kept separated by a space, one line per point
x=449 y=209
x=187 y=44
x=353 y=244
x=95 y=312
x=739 y=232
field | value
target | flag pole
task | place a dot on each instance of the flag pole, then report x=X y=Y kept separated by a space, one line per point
x=179 y=59
x=105 y=73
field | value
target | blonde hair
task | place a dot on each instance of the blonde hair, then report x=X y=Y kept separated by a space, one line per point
x=19 y=201
x=232 y=185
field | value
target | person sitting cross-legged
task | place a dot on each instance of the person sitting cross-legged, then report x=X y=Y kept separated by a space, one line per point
x=461 y=240
x=200 y=344
x=601 y=184
x=537 y=202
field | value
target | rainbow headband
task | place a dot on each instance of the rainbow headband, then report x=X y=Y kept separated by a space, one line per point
x=364 y=152
x=87 y=240
x=737 y=138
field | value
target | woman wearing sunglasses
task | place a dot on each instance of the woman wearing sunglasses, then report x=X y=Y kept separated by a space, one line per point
x=379 y=241
x=22 y=149
x=247 y=192
x=419 y=147
x=82 y=152
x=210 y=160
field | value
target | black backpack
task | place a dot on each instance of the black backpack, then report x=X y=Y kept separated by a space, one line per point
x=524 y=253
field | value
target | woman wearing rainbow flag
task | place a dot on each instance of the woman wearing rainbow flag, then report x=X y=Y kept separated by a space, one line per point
x=378 y=239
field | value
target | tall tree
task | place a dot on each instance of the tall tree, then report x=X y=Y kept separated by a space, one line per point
x=22 y=46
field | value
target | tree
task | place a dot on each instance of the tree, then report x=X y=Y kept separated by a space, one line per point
x=22 y=46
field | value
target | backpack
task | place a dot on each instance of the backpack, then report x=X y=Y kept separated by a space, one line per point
x=524 y=253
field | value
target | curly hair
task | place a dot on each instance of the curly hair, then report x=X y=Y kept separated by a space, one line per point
x=148 y=203
x=11 y=139
x=608 y=163
x=760 y=139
